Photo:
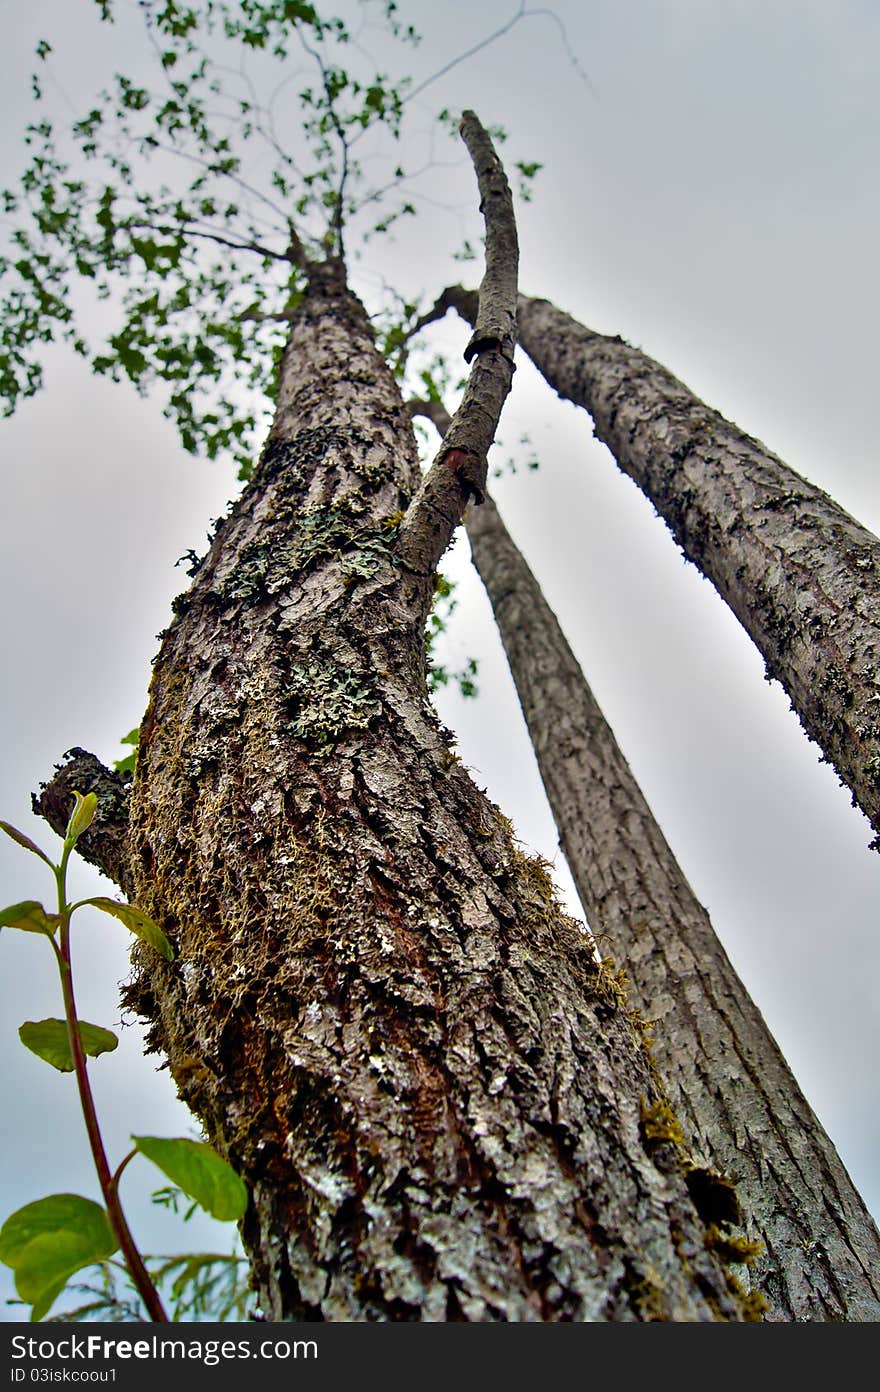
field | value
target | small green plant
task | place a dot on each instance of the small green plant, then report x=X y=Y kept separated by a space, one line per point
x=48 y=1241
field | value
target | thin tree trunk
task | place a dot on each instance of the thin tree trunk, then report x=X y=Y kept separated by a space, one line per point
x=378 y=1010
x=740 y=1107
x=801 y=575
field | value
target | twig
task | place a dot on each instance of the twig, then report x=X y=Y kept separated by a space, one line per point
x=187 y=230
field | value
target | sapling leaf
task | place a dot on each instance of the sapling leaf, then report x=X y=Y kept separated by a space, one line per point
x=81 y=817
x=25 y=841
x=128 y=764
x=199 y=1171
x=30 y=917
x=136 y=921
x=49 y=1240
x=48 y=1039
x=49 y=1294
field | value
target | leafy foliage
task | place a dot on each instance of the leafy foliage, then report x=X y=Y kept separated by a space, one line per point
x=136 y=921
x=191 y=204
x=48 y=1241
x=199 y=1172
x=439 y=674
x=29 y=917
x=201 y=261
x=205 y=1286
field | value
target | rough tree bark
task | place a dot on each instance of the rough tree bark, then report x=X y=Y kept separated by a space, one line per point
x=379 y=1011
x=739 y=1105
x=801 y=575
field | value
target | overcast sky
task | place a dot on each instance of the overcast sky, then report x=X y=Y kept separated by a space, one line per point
x=709 y=192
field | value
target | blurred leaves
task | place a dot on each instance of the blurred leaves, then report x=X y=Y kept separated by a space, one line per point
x=128 y=762
x=209 y=1286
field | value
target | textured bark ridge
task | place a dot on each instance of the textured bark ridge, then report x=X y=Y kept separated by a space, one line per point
x=739 y=1106
x=378 y=1010
x=801 y=575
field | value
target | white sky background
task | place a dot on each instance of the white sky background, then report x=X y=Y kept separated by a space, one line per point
x=711 y=194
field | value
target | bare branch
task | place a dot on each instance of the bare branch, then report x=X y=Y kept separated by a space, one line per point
x=466 y=302
x=257 y=316
x=220 y=174
x=468 y=53
x=459 y=471
x=434 y=411
x=337 y=222
x=188 y=230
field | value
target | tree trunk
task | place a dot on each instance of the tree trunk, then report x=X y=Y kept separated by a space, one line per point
x=378 y=1009
x=741 y=1110
x=801 y=575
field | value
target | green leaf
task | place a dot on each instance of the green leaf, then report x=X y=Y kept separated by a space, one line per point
x=127 y=765
x=81 y=817
x=137 y=922
x=49 y=1294
x=46 y=1242
x=48 y=1040
x=199 y=1171
x=25 y=841
x=29 y=917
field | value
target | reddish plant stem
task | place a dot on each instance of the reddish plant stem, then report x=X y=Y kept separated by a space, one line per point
x=108 y=1182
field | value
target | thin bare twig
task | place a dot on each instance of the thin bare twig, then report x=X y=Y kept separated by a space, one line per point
x=188 y=230
x=338 y=218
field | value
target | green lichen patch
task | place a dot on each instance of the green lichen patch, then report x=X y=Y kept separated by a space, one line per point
x=327 y=702
x=322 y=532
x=361 y=565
